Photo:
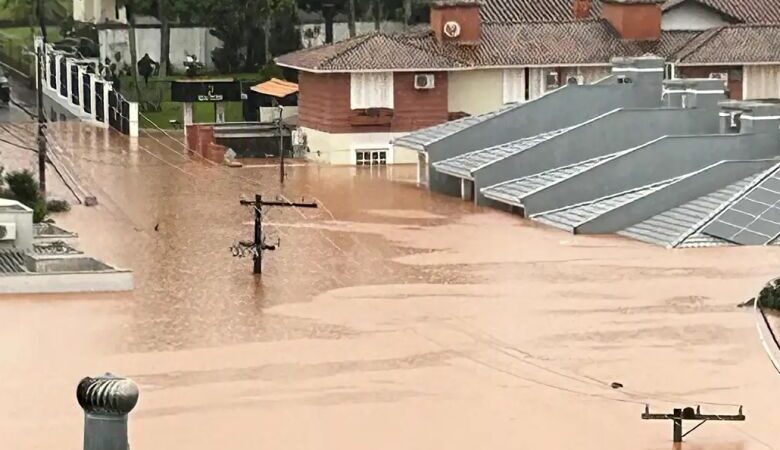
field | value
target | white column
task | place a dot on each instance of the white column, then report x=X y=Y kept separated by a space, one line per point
x=80 y=80
x=187 y=110
x=107 y=86
x=133 y=118
x=57 y=71
x=93 y=98
x=466 y=187
x=220 y=112
x=68 y=67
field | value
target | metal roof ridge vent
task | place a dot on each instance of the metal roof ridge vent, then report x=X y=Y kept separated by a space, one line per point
x=710 y=217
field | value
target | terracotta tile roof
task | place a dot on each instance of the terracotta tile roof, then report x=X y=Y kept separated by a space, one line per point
x=733 y=44
x=750 y=11
x=532 y=10
x=508 y=44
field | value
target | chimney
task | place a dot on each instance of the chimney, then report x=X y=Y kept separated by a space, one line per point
x=637 y=20
x=456 y=21
x=328 y=12
x=582 y=8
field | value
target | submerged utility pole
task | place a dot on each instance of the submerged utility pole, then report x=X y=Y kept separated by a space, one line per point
x=281 y=145
x=39 y=61
x=679 y=414
x=258 y=246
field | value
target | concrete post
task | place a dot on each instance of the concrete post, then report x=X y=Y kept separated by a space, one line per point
x=68 y=82
x=93 y=98
x=57 y=70
x=133 y=118
x=80 y=80
x=106 y=401
x=220 y=112
x=187 y=110
x=107 y=87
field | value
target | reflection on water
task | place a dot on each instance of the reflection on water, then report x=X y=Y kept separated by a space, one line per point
x=390 y=317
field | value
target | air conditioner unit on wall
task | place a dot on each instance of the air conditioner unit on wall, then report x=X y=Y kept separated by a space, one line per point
x=575 y=79
x=424 y=81
x=719 y=76
x=7 y=231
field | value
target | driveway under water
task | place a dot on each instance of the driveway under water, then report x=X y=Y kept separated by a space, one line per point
x=390 y=318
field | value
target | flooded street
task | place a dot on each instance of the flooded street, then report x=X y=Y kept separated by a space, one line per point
x=390 y=318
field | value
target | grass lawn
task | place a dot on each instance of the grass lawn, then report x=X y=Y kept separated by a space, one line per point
x=25 y=34
x=203 y=113
x=159 y=90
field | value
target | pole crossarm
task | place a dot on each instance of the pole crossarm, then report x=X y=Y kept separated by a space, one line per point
x=259 y=245
x=680 y=414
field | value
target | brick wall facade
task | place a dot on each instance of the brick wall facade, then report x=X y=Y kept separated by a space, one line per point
x=324 y=104
x=636 y=21
x=735 y=77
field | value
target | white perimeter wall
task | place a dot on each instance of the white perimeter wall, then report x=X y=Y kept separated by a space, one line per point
x=197 y=41
x=341 y=31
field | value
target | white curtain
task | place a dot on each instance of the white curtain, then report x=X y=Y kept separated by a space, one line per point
x=371 y=90
x=514 y=85
x=761 y=82
x=536 y=82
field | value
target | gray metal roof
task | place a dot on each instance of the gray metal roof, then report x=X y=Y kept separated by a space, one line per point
x=462 y=166
x=427 y=136
x=678 y=226
x=513 y=191
x=753 y=219
x=11 y=261
x=570 y=217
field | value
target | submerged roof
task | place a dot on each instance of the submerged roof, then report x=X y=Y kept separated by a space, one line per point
x=463 y=165
x=568 y=218
x=753 y=219
x=513 y=191
x=678 y=227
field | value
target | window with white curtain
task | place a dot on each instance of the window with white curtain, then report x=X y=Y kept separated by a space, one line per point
x=514 y=85
x=371 y=90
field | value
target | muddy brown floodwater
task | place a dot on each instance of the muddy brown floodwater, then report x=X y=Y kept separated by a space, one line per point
x=391 y=318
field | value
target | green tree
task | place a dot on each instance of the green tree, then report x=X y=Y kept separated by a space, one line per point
x=23 y=188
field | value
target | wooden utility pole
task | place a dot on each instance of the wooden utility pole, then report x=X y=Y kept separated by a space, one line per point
x=39 y=61
x=281 y=144
x=259 y=245
x=678 y=415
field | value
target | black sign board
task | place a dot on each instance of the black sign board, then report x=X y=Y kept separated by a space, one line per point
x=191 y=91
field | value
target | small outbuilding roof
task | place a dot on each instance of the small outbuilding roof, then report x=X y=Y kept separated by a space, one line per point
x=276 y=88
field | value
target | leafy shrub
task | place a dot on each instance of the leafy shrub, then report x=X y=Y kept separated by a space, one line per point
x=57 y=206
x=23 y=188
x=769 y=297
